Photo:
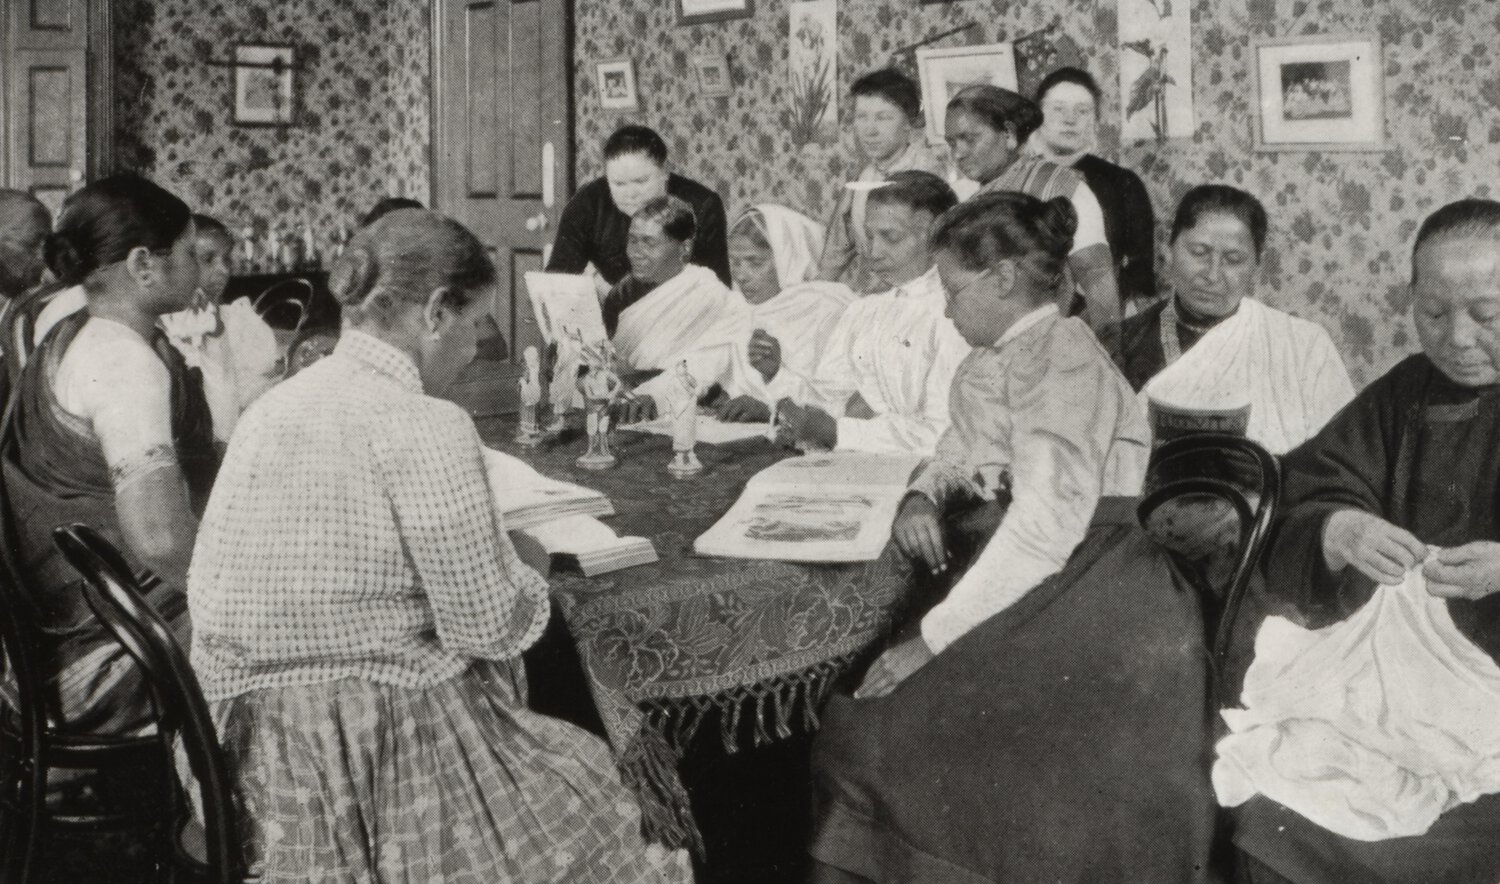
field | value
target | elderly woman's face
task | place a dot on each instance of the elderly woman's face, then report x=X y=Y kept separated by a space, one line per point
x=753 y=268
x=654 y=256
x=1456 y=294
x=1214 y=265
x=634 y=180
x=452 y=344
x=980 y=152
x=1068 y=118
x=880 y=127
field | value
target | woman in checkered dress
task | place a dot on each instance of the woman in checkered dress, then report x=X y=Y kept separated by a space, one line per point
x=359 y=613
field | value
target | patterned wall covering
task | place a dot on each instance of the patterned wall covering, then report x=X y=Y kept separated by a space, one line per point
x=1342 y=223
x=364 y=109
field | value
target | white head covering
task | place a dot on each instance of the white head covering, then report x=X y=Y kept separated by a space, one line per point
x=796 y=242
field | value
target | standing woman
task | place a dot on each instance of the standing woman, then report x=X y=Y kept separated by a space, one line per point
x=986 y=127
x=359 y=612
x=887 y=128
x=1070 y=99
x=110 y=428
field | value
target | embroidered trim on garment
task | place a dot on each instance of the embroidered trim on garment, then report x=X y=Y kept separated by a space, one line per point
x=138 y=466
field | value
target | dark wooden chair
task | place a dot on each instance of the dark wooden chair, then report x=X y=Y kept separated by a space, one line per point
x=1241 y=473
x=116 y=599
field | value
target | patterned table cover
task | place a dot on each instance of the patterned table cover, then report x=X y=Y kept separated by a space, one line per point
x=665 y=644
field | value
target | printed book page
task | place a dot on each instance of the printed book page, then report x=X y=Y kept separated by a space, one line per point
x=525 y=497
x=831 y=507
x=565 y=304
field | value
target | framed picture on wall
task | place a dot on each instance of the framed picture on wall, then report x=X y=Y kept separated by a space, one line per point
x=264 y=89
x=696 y=12
x=944 y=72
x=1320 y=93
x=617 y=90
x=713 y=74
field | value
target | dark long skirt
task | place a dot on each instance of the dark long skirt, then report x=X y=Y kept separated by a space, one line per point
x=1063 y=739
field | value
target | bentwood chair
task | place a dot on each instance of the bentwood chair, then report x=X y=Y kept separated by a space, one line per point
x=182 y=711
x=1233 y=469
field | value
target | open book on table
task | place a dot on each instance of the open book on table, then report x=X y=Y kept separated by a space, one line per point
x=832 y=507
x=526 y=498
x=587 y=545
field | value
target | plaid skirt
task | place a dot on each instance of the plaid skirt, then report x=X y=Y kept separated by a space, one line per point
x=357 y=781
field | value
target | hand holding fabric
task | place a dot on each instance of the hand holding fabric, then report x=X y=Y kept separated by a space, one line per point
x=893 y=667
x=1372 y=546
x=919 y=534
x=1470 y=571
x=765 y=354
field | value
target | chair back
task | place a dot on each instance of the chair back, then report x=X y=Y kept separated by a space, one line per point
x=1210 y=465
x=112 y=592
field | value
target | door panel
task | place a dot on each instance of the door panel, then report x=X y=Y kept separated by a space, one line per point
x=500 y=99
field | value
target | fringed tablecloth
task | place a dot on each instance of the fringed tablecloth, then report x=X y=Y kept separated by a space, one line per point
x=664 y=645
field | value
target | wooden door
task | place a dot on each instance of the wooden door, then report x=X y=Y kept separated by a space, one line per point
x=503 y=157
x=57 y=105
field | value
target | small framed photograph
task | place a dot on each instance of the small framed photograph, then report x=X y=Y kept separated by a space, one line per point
x=264 y=87
x=617 y=90
x=713 y=75
x=945 y=72
x=696 y=12
x=1320 y=93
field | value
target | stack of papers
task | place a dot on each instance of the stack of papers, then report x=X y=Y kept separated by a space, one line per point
x=834 y=507
x=711 y=430
x=585 y=544
x=527 y=498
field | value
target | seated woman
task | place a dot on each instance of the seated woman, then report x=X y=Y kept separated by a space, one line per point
x=109 y=428
x=771 y=254
x=1408 y=466
x=1213 y=345
x=359 y=612
x=1071 y=101
x=668 y=310
x=986 y=127
x=229 y=343
x=1046 y=721
x=888 y=132
x=882 y=382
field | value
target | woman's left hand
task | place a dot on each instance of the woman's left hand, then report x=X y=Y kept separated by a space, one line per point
x=1471 y=571
x=806 y=426
x=893 y=667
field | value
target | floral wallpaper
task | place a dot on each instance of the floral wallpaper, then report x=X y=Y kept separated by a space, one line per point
x=363 y=120
x=1342 y=223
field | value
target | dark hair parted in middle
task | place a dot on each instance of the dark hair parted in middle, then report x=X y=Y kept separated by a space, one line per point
x=893 y=86
x=1221 y=199
x=917 y=190
x=636 y=139
x=673 y=214
x=100 y=224
x=1036 y=235
x=405 y=257
x=1076 y=76
x=1000 y=109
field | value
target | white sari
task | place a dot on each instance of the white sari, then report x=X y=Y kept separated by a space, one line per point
x=691 y=317
x=801 y=316
x=1286 y=368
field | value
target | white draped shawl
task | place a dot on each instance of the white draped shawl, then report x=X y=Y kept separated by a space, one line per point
x=691 y=316
x=796 y=243
x=1286 y=368
x=800 y=319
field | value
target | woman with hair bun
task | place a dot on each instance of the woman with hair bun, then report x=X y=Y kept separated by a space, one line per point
x=359 y=612
x=109 y=427
x=1045 y=720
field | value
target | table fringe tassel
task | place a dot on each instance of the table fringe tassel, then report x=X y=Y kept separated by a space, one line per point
x=649 y=764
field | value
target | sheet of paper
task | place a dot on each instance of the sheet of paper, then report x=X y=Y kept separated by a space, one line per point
x=565 y=304
x=711 y=430
x=834 y=507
